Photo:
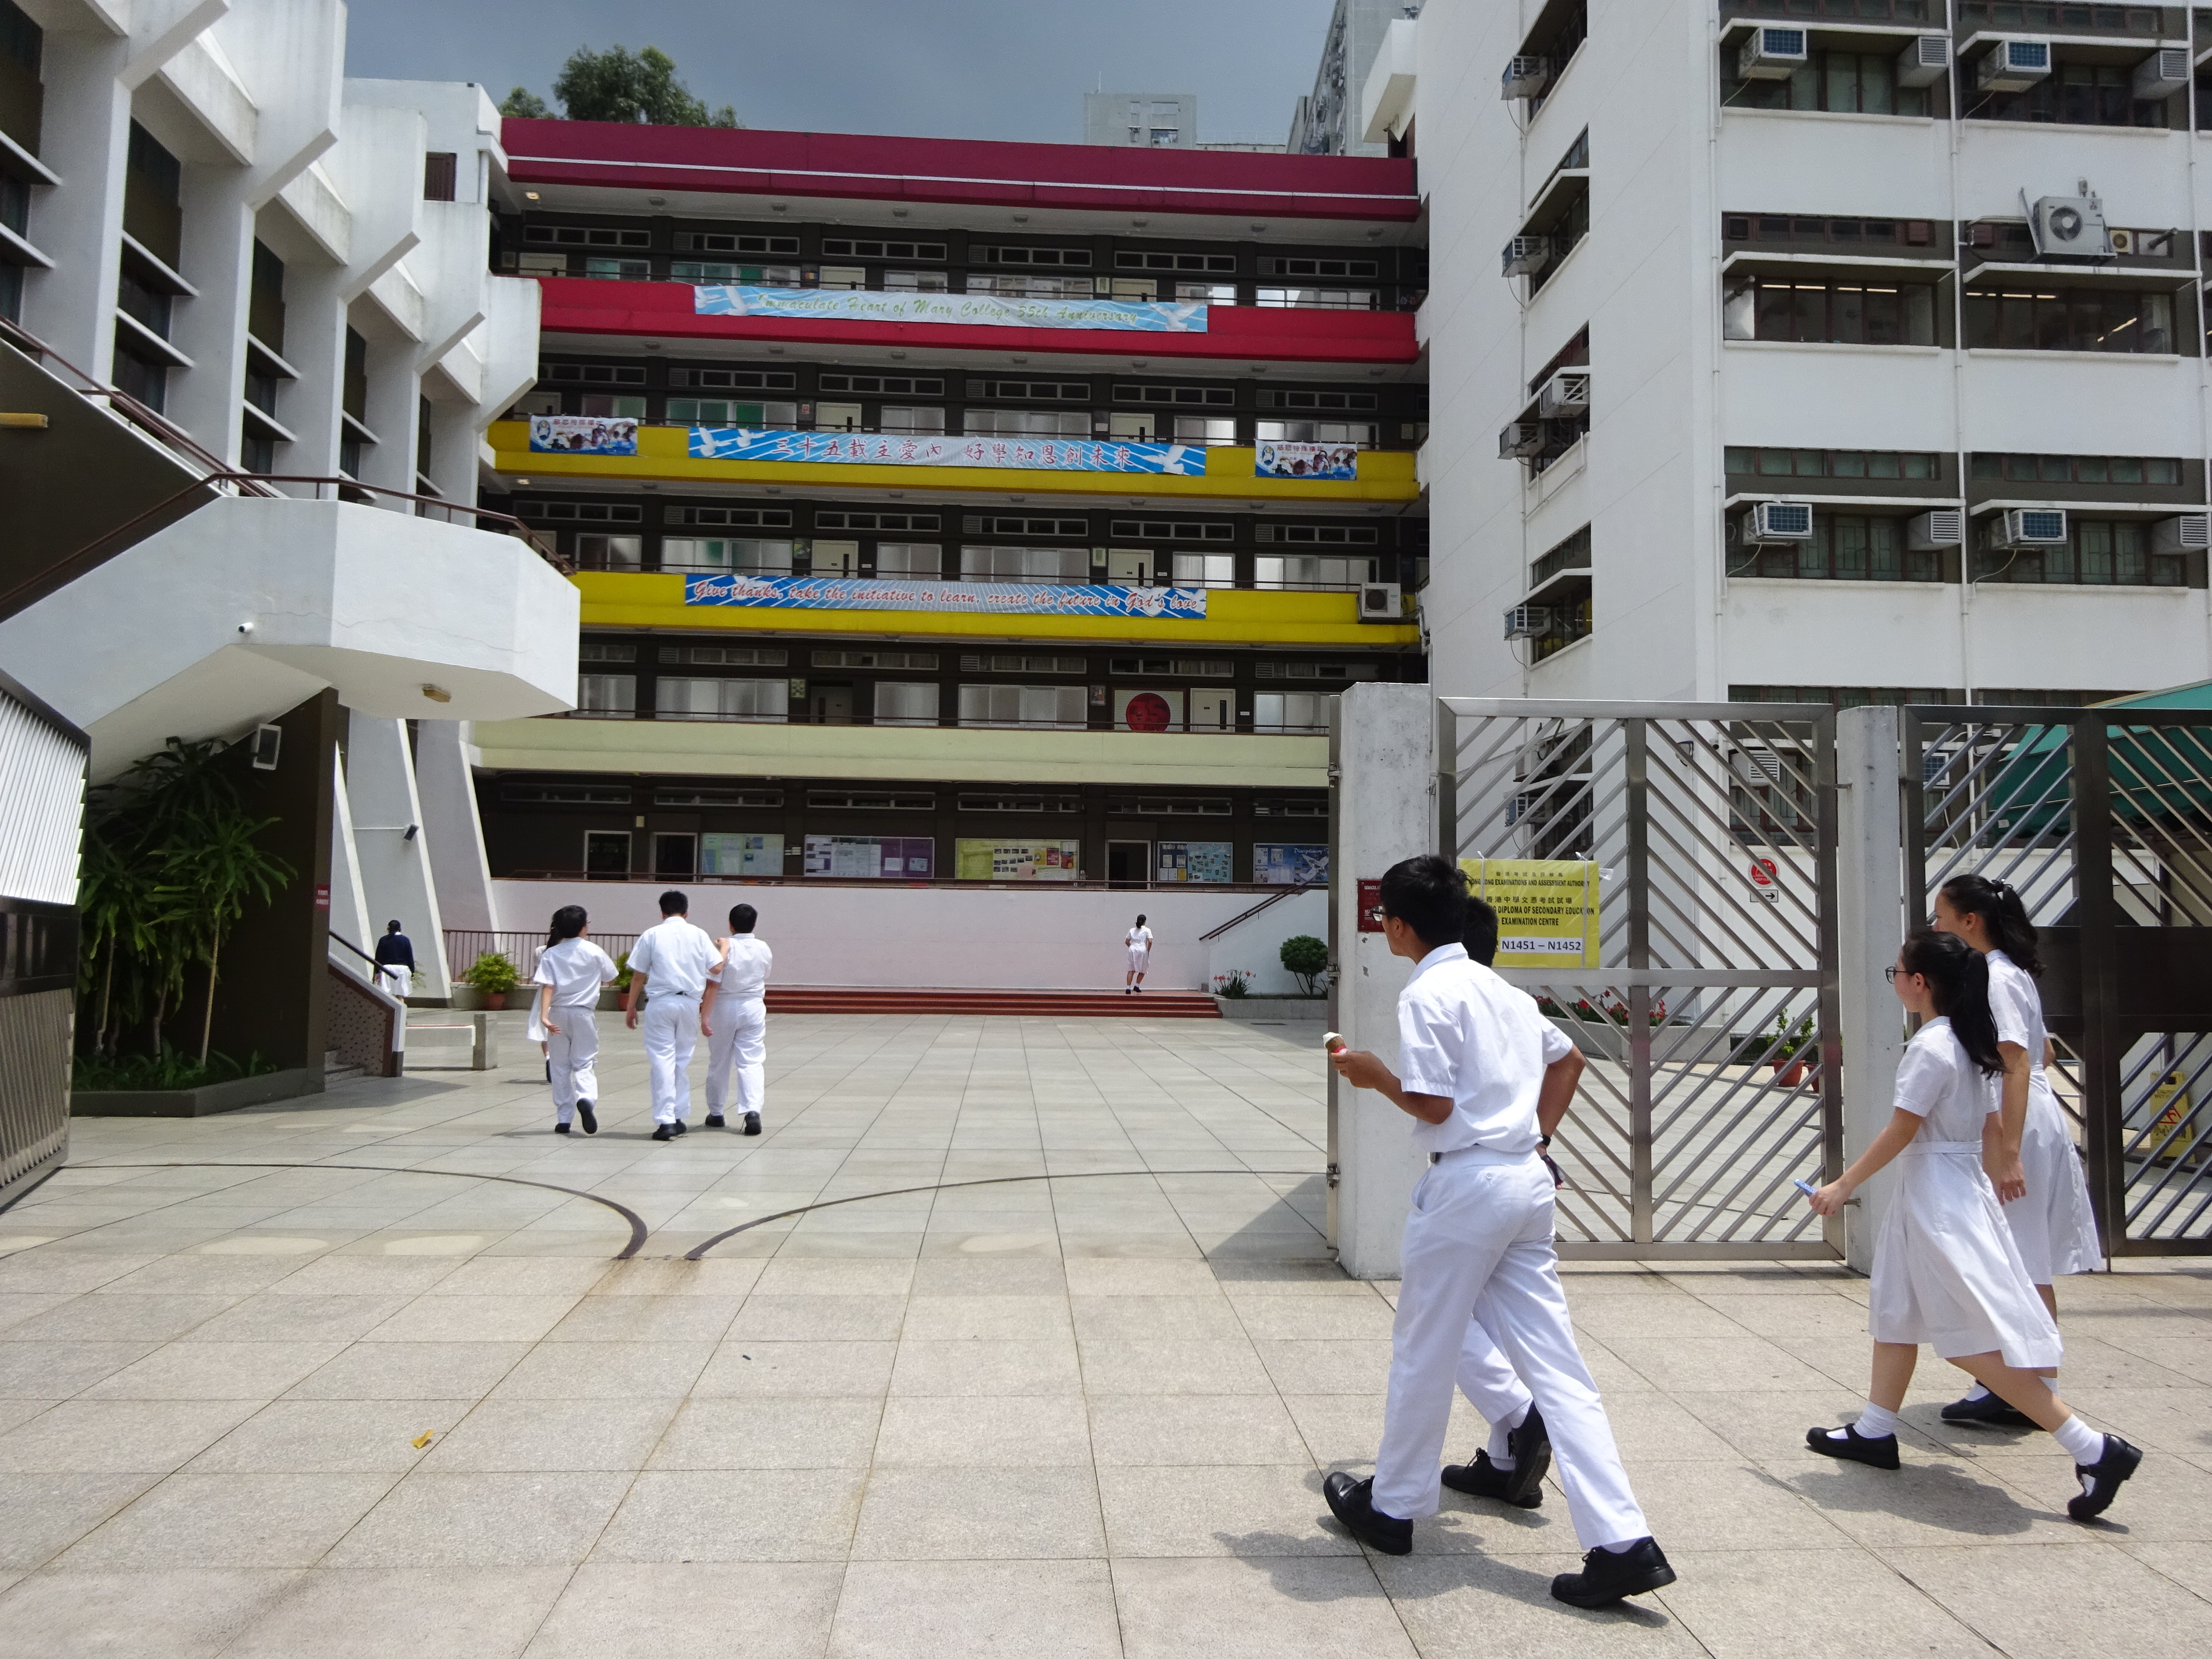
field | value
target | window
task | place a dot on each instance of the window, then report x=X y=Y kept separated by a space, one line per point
x=618 y=270
x=1020 y=804
x=906 y=703
x=606 y=696
x=863 y=801
x=698 y=271
x=1037 y=391
x=839 y=247
x=2069 y=320
x=1028 y=423
x=681 y=796
x=909 y=419
x=911 y=660
x=749 y=555
x=1024 y=564
x=910 y=561
x=1174 y=530
x=884 y=385
x=1205 y=570
x=1206 y=429
x=1168 y=806
x=588 y=236
x=145 y=305
x=1197 y=668
x=1833 y=462
x=1845 y=82
x=1572 y=554
x=1078 y=257
x=604 y=650
x=1316 y=670
x=1755 y=308
x=726 y=656
x=611 y=552
x=2099 y=553
x=750 y=518
x=1315 y=299
x=916 y=281
x=1849 y=235
x=1317 y=535
x=1058 y=706
x=608 y=405
x=730 y=379
x=977 y=524
x=602 y=374
x=725 y=411
x=834 y=558
x=844 y=276
x=440 y=172
x=1205 y=396
x=1132 y=428
x=1328 y=403
x=565 y=794
x=2078 y=469
x=2077 y=94
x=1127 y=259
x=1290 y=711
x=1024 y=287
x=1016 y=662
x=1358 y=433
x=1304 y=572
x=721 y=699
x=694 y=241
x=1845 y=547
x=827 y=519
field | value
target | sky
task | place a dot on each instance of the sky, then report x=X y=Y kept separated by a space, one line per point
x=954 y=68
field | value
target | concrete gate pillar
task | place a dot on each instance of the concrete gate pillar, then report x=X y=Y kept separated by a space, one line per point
x=1383 y=744
x=1871 y=922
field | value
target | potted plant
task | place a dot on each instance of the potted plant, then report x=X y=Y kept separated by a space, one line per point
x=612 y=992
x=1791 y=1044
x=494 y=975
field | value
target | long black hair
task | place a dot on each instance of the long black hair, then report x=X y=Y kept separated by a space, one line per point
x=2002 y=913
x=1960 y=978
x=567 y=922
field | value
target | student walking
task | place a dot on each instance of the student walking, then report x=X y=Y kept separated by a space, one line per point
x=2040 y=1177
x=1946 y=1271
x=395 y=960
x=1485 y=1076
x=571 y=971
x=676 y=958
x=734 y=1015
x=1138 y=942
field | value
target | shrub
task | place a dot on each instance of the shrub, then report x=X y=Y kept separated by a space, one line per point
x=1305 y=959
x=492 y=974
x=1234 y=983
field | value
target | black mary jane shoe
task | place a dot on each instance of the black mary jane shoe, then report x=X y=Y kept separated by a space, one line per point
x=1484 y=1479
x=1608 y=1575
x=1875 y=1451
x=1353 y=1503
x=2100 y=1480
x=752 y=1124
x=1989 y=1412
x=587 y=1117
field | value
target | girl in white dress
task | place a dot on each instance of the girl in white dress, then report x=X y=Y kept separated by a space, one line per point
x=2037 y=1173
x=1945 y=1270
x=570 y=971
x=1138 y=942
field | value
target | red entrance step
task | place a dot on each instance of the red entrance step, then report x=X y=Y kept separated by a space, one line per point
x=1064 y=1005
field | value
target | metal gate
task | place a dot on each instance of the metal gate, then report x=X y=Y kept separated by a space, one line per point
x=1707 y=1011
x=2102 y=820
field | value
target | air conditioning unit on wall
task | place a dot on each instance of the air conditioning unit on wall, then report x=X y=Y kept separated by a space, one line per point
x=2013 y=66
x=2030 y=526
x=1527 y=255
x=1943 y=527
x=1773 y=54
x=1521 y=440
x=1382 y=602
x=1527 y=621
x=1564 y=396
x=2162 y=74
x=2069 y=225
x=1778 y=522
x=2190 y=533
x=1524 y=77
x=1925 y=61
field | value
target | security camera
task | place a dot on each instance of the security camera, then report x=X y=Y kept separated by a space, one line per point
x=246 y=628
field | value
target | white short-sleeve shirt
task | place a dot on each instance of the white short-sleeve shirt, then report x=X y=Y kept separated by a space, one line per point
x=746 y=962
x=1139 y=938
x=575 y=968
x=1937 y=1083
x=675 y=957
x=1465 y=1033
x=2018 y=1006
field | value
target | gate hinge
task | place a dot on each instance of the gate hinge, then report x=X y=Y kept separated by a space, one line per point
x=1332 y=1176
x=1335 y=773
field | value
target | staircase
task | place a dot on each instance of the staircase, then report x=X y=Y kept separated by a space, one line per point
x=1028 y=1005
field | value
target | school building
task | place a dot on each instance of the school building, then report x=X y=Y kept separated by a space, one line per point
x=954 y=511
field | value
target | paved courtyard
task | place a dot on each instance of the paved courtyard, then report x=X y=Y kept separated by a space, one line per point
x=312 y=1410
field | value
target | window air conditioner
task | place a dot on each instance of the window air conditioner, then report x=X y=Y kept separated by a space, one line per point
x=1524 y=77
x=1527 y=621
x=2162 y=74
x=2013 y=66
x=2030 y=526
x=1564 y=396
x=1382 y=602
x=1943 y=527
x=1521 y=440
x=1779 y=521
x=1771 y=55
x=2069 y=225
x=2190 y=533
x=1925 y=61
x=1527 y=255
x=2124 y=241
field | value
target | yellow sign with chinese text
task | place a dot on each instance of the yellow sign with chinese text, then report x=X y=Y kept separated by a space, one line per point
x=1548 y=909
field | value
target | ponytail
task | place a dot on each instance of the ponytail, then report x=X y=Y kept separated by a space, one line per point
x=1960 y=978
x=2003 y=914
x=568 y=922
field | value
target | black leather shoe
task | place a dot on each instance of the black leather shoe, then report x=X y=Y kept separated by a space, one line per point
x=2100 y=1480
x=1875 y=1451
x=1353 y=1503
x=560 y=1128
x=752 y=1123
x=1606 y=1576
x=682 y=1127
x=1531 y=1446
x=1484 y=1479
x=665 y=1132
x=586 y=1117
x=1987 y=1413
x=715 y=1120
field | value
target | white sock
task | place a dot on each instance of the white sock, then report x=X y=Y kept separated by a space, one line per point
x=1874 y=1423
x=1980 y=1391
x=1499 y=1457
x=2082 y=1444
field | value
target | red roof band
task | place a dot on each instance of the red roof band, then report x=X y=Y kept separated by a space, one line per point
x=1081 y=178
x=579 y=305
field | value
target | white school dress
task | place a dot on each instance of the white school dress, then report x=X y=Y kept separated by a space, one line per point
x=1945 y=1270
x=1139 y=944
x=2053 y=1225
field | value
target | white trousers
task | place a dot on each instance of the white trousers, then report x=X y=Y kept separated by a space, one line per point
x=670 y=1026
x=1479 y=1245
x=739 y=1042
x=573 y=1054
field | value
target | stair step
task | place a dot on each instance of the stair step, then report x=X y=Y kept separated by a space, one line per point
x=1081 y=1004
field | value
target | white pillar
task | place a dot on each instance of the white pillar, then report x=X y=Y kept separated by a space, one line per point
x=1870 y=924
x=1386 y=810
x=84 y=137
x=389 y=411
x=395 y=864
x=348 y=903
x=217 y=259
x=451 y=826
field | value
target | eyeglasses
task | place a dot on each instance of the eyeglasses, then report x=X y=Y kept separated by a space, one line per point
x=1890 y=973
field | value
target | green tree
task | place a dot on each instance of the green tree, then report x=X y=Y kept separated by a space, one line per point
x=524 y=105
x=619 y=85
x=1305 y=959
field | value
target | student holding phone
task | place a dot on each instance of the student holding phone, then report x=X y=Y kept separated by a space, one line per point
x=1946 y=1269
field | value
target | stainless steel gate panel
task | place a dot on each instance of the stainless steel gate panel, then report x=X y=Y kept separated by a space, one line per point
x=1709 y=1019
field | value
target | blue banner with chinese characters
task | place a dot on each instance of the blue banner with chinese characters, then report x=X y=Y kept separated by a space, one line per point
x=986 y=310
x=971 y=598
x=733 y=443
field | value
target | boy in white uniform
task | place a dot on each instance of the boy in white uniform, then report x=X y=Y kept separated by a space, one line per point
x=1138 y=942
x=570 y=971
x=1484 y=1074
x=676 y=957
x=735 y=1016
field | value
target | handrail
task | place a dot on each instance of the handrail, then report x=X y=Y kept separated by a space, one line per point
x=337 y=937
x=1238 y=920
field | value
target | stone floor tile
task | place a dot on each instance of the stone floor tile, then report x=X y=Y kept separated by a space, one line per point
x=520 y=1437
x=428 y=1613
x=216 y=1370
x=972 y=1514
x=1156 y=1319
x=768 y=1317
x=411 y=1371
x=621 y=1610
x=1190 y=1430
x=976 y=1609
x=2054 y=1600
x=984 y=1432
x=116 y=1317
x=433 y=1520
x=1248 y=1510
x=42 y=1514
x=971 y=1318
x=741 y=1370
x=298 y=1318
x=517 y=1318
x=117 y=1437
x=1257 y=1607
x=1735 y=1602
x=635 y=1318
x=189 y=1613
x=770 y=1431
x=981 y=1367
x=756 y=1515
x=1110 y=1276
x=44 y=1371
x=604 y=1370
x=330 y=1437
x=1119 y=1366
x=1472 y=1604
x=229 y=1521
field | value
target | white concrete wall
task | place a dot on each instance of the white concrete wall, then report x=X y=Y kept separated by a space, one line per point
x=994 y=939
